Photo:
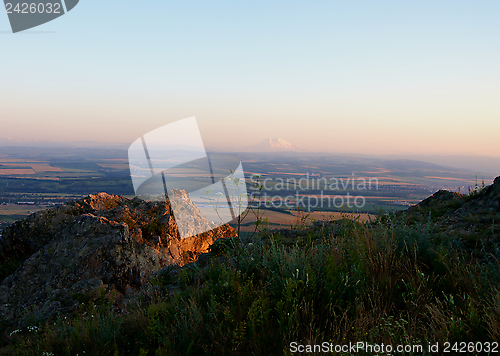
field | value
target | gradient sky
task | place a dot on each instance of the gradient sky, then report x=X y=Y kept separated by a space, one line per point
x=343 y=76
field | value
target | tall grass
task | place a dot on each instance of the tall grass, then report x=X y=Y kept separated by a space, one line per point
x=341 y=282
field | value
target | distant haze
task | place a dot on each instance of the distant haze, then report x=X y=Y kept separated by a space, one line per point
x=474 y=163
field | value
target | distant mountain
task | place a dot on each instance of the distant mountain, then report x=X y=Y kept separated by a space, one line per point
x=273 y=145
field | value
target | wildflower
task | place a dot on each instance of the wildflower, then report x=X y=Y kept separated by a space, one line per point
x=14 y=332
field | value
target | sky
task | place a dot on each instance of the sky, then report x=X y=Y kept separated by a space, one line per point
x=373 y=77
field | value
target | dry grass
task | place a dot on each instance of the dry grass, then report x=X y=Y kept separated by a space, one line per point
x=6 y=172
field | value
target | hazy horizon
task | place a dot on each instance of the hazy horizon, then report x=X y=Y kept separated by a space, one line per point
x=8 y=142
x=476 y=163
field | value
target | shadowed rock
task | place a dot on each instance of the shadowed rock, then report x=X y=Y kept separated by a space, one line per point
x=100 y=244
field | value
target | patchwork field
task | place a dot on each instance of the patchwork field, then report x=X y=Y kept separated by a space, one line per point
x=276 y=219
x=12 y=212
x=318 y=184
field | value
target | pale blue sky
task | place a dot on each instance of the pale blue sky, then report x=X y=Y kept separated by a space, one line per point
x=358 y=76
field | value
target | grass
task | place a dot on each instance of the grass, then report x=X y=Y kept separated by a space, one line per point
x=12 y=217
x=340 y=282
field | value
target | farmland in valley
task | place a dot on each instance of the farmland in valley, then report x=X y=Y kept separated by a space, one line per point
x=320 y=185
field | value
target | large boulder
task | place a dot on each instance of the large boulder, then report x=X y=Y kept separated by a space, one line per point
x=102 y=244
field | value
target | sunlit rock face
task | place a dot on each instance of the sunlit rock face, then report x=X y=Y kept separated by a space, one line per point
x=100 y=244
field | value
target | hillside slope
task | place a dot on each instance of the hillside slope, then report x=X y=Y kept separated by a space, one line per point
x=470 y=222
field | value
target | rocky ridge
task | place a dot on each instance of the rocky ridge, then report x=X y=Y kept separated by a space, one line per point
x=471 y=221
x=102 y=244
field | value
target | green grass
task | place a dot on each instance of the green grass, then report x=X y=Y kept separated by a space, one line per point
x=340 y=282
x=12 y=218
x=6 y=166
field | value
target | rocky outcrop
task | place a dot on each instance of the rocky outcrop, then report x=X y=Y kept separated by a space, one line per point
x=438 y=199
x=470 y=221
x=102 y=244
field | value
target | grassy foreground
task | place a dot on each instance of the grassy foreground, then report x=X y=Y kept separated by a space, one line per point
x=338 y=282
